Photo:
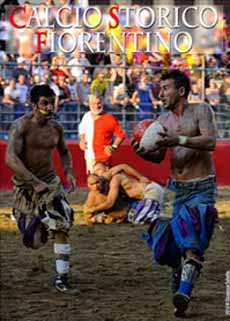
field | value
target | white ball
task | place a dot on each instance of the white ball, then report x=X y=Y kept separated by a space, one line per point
x=151 y=136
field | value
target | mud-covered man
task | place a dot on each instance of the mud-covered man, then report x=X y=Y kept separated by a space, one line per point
x=190 y=133
x=124 y=178
x=40 y=206
x=98 y=189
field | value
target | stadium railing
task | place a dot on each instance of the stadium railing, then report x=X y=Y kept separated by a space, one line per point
x=70 y=115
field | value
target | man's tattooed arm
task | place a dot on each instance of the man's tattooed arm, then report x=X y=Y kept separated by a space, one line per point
x=14 y=149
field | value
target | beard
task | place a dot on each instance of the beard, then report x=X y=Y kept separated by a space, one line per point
x=171 y=105
x=98 y=112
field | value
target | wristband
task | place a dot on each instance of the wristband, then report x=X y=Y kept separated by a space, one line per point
x=114 y=146
x=183 y=140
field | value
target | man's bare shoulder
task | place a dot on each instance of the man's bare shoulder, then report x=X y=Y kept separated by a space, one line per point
x=164 y=117
x=202 y=110
x=117 y=178
x=200 y=107
x=22 y=123
x=55 y=124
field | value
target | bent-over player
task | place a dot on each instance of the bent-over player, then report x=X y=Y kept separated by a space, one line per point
x=135 y=186
x=98 y=189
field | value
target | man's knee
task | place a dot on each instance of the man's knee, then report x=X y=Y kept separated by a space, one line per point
x=61 y=237
x=35 y=235
x=195 y=256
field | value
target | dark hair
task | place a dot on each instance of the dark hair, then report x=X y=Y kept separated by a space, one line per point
x=91 y=174
x=103 y=183
x=180 y=79
x=40 y=90
x=101 y=163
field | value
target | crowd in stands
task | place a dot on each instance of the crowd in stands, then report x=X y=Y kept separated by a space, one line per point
x=126 y=88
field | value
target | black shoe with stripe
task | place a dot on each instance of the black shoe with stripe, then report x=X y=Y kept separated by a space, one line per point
x=61 y=285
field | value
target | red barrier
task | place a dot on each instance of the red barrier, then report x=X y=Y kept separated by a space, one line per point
x=125 y=154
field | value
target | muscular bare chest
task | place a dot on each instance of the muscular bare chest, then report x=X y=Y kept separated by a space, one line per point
x=41 y=138
x=186 y=125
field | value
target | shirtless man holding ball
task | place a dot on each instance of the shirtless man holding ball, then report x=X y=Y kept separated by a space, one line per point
x=190 y=132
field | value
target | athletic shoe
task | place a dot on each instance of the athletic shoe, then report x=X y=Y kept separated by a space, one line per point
x=180 y=301
x=61 y=285
x=179 y=314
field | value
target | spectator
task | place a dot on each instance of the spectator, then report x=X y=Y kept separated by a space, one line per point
x=119 y=76
x=11 y=93
x=225 y=61
x=65 y=95
x=226 y=85
x=122 y=104
x=6 y=3
x=101 y=68
x=115 y=59
x=72 y=85
x=62 y=63
x=97 y=130
x=2 y=87
x=77 y=64
x=4 y=31
x=133 y=74
x=99 y=85
x=83 y=91
x=57 y=67
x=120 y=96
x=21 y=70
x=41 y=70
x=22 y=88
x=212 y=94
x=195 y=95
x=143 y=99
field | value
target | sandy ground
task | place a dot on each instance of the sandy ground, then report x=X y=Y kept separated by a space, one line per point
x=112 y=268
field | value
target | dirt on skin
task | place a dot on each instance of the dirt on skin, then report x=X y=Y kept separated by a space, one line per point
x=113 y=269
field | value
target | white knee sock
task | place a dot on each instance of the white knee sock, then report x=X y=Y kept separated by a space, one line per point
x=62 y=252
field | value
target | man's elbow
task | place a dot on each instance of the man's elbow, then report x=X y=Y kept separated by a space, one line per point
x=212 y=147
x=11 y=161
x=8 y=160
x=121 y=137
x=212 y=144
x=110 y=204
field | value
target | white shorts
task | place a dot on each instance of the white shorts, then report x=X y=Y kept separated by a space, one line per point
x=89 y=165
x=154 y=191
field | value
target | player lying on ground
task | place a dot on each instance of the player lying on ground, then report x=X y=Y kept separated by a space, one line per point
x=135 y=186
x=98 y=189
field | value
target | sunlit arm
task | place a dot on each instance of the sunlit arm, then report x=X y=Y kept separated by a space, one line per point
x=14 y=149
x=111 y=197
